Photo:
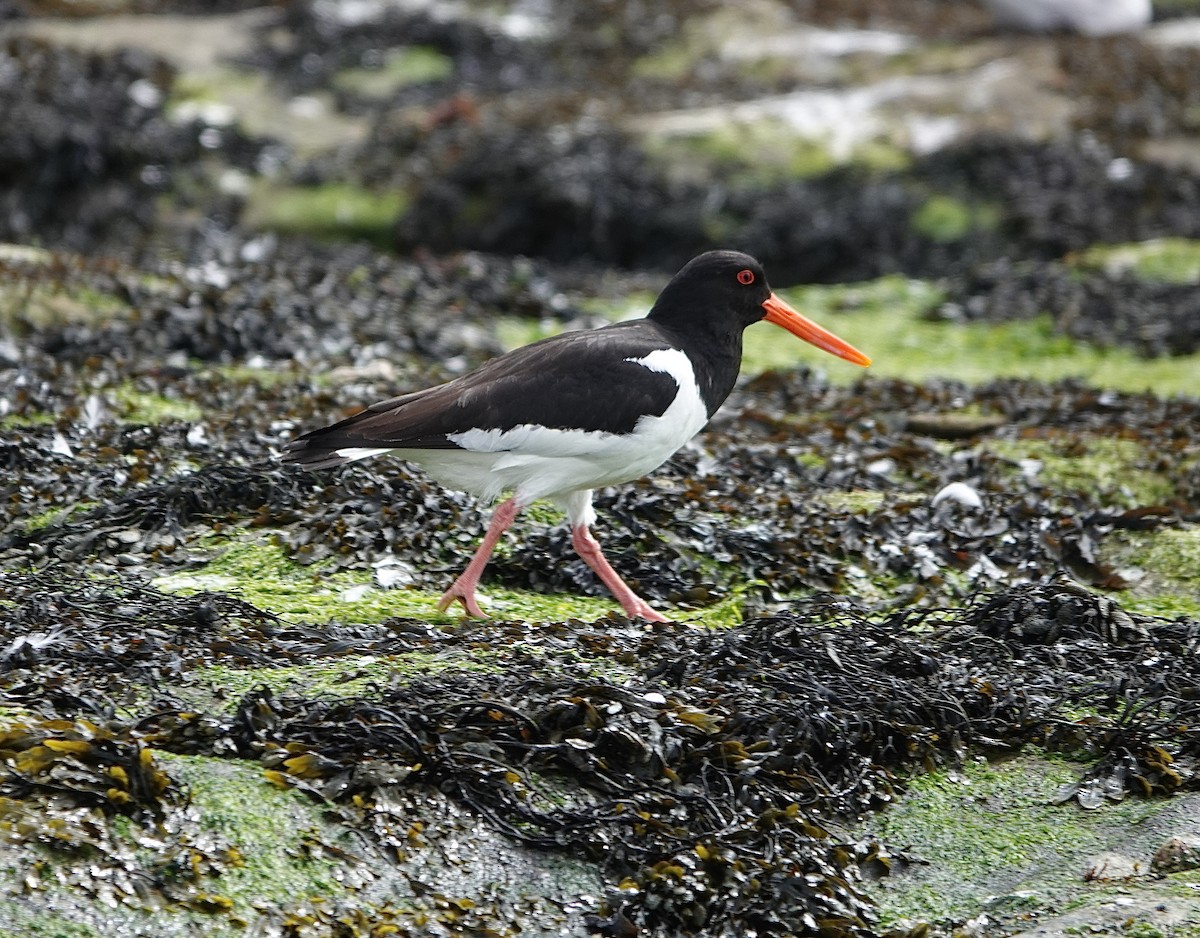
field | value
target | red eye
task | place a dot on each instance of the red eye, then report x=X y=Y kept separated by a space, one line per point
x=745 y=276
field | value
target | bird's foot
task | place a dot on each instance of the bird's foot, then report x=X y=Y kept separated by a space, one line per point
x=640 y=609
x=464 y=594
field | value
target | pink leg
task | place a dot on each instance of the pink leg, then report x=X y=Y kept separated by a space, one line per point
x=589 y=549
x=463 y=588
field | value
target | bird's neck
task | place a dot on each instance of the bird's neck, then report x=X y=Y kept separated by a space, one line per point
x=716 y=358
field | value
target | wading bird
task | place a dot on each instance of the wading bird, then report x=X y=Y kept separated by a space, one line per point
x=572 y=413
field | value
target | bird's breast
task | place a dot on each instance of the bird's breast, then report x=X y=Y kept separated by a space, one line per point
x=685 y=416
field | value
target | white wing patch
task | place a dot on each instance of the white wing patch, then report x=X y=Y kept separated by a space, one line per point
x=355 y=453
x=687 y=414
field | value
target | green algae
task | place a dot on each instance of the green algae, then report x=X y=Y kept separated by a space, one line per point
x=20 y=922
x=131 y=404
x=25 y=254
x=59 y=514
x=1164 y=565
x=243 y=851
x=257 y=569
x=237 y=846
x=397 y=69
x=945 y=219
x=361 y=676
x=30 y=419
x=37 y=305
x=251 y=101
x=279 y=374
x=329 y=212
x=758 y=153
x=993 y=829
x=854 y=501
x=1078 y=462
x=137 y=405
x=14 y=715
x=1158 y=260
x=213 y=87
x=264 y=827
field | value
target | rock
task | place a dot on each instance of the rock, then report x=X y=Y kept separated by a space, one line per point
x=1176 y=855
x=1090 y=17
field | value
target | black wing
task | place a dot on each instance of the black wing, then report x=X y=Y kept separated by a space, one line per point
x=578 y=380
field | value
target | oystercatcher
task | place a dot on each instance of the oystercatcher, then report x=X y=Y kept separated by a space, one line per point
x=564 y=416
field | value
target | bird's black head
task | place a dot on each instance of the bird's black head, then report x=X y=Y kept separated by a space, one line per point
x=724 y=290
x=717 y=295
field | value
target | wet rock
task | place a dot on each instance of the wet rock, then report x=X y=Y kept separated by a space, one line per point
x=1089 y=17
x=1177 y=855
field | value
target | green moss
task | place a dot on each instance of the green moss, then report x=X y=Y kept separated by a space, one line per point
x=946 y=219
x=400 y=68
x=671 y=61
x=1168 y=562
x=254 y=567
x=266 y=826
x=135 y=405
x=41 y=305
x=1161 y=260
x=889 y=320
x=20 y=922
x=344 y=676
x=36 y=419
x=330 y=212
x=260 y=572
x=855 y=501
x=760 y=153
x=1096 y=464
x=992 y=828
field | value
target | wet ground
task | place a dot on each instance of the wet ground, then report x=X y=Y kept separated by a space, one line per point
x=934 y=664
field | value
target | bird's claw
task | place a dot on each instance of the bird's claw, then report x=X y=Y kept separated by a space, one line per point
x=464 y=596
x=643 y=610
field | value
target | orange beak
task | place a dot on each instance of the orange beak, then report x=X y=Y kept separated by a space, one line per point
x=782 y=314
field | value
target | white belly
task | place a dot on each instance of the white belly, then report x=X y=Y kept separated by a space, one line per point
x=537 y=462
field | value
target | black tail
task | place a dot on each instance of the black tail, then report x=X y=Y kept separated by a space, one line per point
x=326 y=448
x=311 y=456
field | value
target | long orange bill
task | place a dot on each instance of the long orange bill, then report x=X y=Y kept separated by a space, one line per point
x=782 y=314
